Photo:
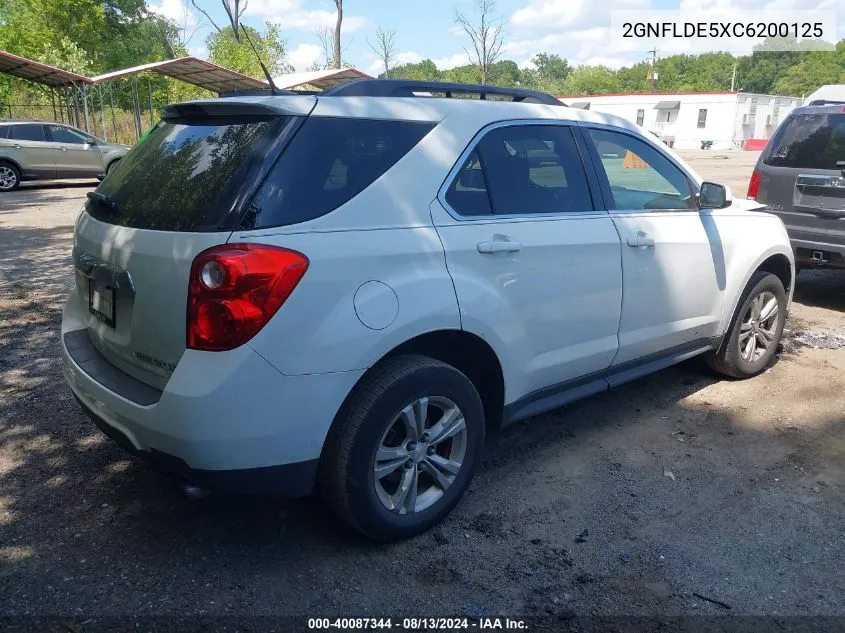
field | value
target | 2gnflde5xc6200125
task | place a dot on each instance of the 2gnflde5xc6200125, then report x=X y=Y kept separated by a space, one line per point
x=344 y=292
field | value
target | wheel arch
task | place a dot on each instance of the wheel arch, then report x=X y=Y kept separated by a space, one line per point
x=13 y=163
x=467 y=352
x=778 y=261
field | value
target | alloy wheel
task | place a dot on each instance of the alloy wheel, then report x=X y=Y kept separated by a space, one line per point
x=420 y=455
x=8 y=177
x=759 y=327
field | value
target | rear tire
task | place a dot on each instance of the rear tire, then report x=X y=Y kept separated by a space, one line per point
x=111 y=166
x=10 y=177
x=375 y=451
x=755 y=331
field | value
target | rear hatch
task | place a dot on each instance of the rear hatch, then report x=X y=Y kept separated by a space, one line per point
x=802 y=174
x=178 y=192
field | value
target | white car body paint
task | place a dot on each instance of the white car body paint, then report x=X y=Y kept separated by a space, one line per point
x=393 y=263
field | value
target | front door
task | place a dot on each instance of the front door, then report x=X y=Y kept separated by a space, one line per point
x=536 y=268
x=32 y=150
x=76 y=157
x=672 y=258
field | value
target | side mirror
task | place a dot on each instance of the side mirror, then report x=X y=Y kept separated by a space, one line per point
x=90 y=141
x=714 y=196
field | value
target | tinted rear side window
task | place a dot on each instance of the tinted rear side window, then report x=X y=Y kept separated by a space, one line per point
x=185 y=176
x=809 y=141
x=328 y=162
x=28 y=132
x=4 y=131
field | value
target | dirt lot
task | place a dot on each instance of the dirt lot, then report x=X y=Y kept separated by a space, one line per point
x=677 y=494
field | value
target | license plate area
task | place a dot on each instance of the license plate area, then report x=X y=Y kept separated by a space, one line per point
x=101 y=302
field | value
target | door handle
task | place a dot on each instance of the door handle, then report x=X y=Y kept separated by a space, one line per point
x=642 y=240
x=499 y=244
x=64 y=149
x=18 y=146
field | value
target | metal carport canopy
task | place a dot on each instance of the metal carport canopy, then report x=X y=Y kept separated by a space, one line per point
x=318 y=79
x=37 y=72
x=193 y=71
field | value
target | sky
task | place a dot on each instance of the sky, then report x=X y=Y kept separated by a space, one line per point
x=577 y=30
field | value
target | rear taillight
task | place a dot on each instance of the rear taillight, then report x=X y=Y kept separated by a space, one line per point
x=753 y=185
x=235 y=289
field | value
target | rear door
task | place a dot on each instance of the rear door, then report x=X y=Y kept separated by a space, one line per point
x=536 y=268
x=181 y=192
x=801 y=176
x=672 y=259
x=32 y=150
x=75 y=156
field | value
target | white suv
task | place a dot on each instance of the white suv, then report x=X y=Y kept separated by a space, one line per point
x=346 y=291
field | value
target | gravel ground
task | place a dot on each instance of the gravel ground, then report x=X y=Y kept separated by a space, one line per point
x=679 y=494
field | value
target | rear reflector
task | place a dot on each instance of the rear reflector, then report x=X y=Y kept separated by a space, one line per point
x=753 y=185
x=235 y=289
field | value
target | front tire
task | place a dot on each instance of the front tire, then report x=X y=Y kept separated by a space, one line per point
x=755 y=331
x=10 y=177
x=403 y=448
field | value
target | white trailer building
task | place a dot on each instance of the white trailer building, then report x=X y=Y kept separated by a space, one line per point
x=732 y=120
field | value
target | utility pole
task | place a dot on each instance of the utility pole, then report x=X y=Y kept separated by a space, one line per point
x=651 y=77
x=733 y=78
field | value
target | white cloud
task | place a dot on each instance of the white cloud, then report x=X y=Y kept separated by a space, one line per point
x=200 y=51
x=176 y=10
x=303 y=56
x=290 y=14
x=451 y=61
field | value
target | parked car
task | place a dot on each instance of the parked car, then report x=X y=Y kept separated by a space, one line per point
x=346 y=292
x=34 y=150
x=800 y=176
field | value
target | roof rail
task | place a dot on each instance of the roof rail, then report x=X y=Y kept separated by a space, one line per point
x=410 y=88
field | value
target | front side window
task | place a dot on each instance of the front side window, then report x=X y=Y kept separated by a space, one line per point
x=4 y=131
x=28 y=132
x=522 y=169
x=61 y=134
x=638 y=176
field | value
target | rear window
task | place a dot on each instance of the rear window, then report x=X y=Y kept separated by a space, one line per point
x=809 y=141
x=28 y=132
x=186 y=175
x=328 y=162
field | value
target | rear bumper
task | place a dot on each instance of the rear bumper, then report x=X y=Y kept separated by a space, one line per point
x=224 y=419
x=286 y=480
x=818 y=253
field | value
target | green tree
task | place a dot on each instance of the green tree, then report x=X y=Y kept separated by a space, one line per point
x=225 y=51
x=591 y=80
x=817 y=69
x=549 y=73
x=425 y=70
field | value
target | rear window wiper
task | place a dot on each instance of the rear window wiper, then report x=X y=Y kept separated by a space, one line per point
x=104 y=200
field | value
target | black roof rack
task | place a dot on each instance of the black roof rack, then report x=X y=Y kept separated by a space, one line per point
x=410 y=88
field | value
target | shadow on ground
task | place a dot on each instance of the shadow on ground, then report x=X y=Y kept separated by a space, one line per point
x=638 y=501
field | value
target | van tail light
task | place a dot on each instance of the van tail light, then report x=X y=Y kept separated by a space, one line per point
x=753 y=185
x=235 y=289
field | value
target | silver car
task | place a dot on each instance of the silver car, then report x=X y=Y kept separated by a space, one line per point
x=33 y=150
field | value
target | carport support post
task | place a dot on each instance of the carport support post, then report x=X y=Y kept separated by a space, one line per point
x=85 y=106
x=53 y=101
x=75 y=107
x=113 y=120
x=150 y=92
x=102 y=112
